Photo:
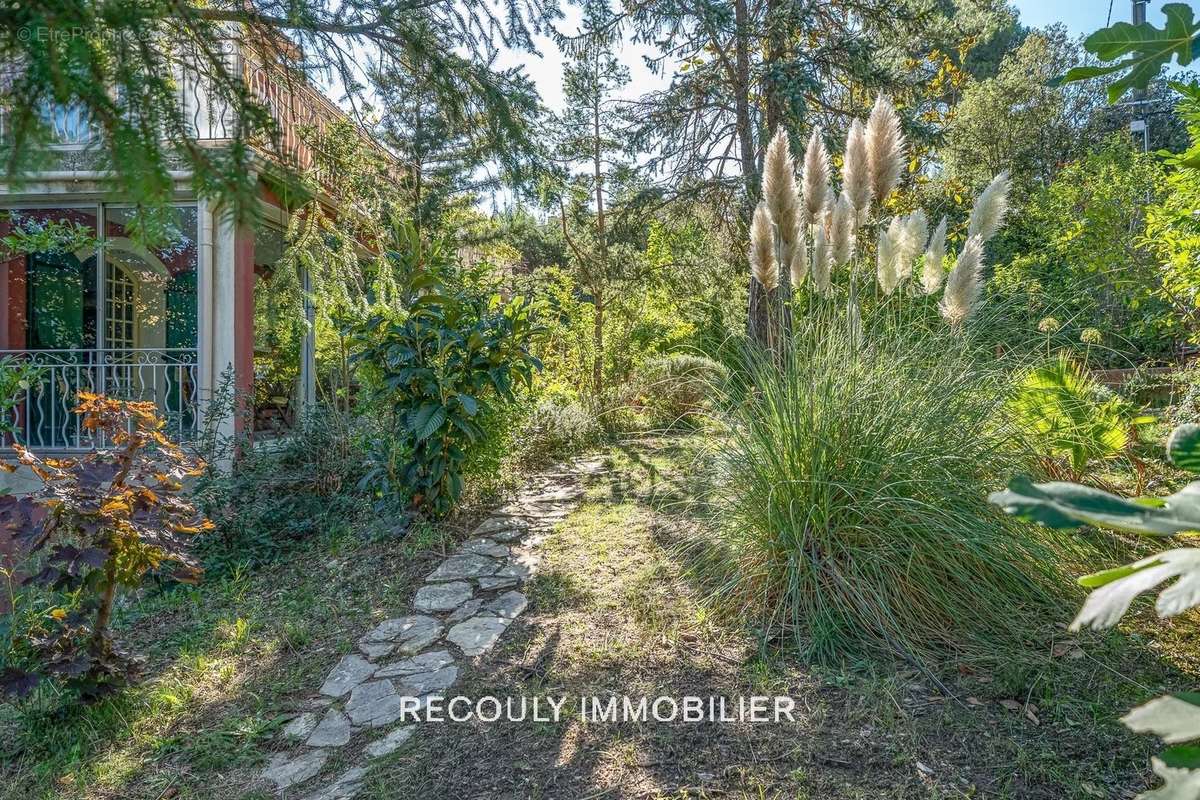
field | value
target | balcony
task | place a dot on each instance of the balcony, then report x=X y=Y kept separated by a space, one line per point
x=300 y=111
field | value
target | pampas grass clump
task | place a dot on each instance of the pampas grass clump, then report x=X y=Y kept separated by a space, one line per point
x=852 y=506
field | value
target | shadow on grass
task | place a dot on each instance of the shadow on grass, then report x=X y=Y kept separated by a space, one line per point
x=613 y=614
x=228 y=661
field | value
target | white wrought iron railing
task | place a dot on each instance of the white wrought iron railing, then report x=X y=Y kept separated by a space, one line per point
x=44 y=417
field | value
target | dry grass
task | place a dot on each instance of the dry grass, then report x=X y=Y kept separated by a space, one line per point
x=612 y=613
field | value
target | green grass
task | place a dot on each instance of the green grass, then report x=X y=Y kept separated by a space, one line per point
x=851 y=496
x=228 y=661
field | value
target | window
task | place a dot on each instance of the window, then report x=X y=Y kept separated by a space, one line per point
x=119 y=333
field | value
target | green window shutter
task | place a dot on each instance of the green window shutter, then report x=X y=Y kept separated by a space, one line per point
x=56 y=301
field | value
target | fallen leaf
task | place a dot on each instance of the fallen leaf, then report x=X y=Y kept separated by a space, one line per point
x=1011 y=705
x=1032 y=717
x=975 y=701
x=924 y=769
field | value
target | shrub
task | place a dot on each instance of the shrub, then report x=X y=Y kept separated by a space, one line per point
x=676 y=388
x=102 y=520
x=281 y=492
x=439 y=366
x=555 y=431
x=1064 y=506
x=1069 y=415
x=850 y=518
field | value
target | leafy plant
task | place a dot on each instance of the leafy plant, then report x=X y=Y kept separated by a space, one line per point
x=676 y=387
x=16 y=377
x=438 y=365
x=103 y=520
x=1069 y=415
x=556 y=430
x=272 y=499
x=1176 y=717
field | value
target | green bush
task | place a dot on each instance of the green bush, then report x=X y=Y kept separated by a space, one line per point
x=1068 y=415
x=848 y=506
x=282 y=492
x=455 y=354
x=675 y=389
x=554 y=431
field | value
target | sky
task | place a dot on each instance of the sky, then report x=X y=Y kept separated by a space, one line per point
x=1082 y=16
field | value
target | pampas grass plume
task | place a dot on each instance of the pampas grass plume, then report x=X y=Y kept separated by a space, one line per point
x=932 y=272
x=885 y=258
x=911 y=243
x=816 y=177
x=841 y=230
x=820 y=261
x=856 y=170
x=885 y=148
x=964 y=284
x=762 y=248
x=779 y=188
x=990 y=207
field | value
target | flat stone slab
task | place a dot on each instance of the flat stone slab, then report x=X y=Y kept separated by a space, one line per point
x=478 y=634
x=390 y=743
x=344 y=788
x=374 y=704
x=562 y=494
x=301 y=726
x=442 y=596
x=467 y=609
x=488 y=584
x=508 y=605
x=285 y=772
x=348 y=673
x=494 y=525
x=468 y=565
x=428 y=682
x=376 y=650
x=411 y=634
x=484 y=547
x=518 y=570
x=334 y=730
x=510 y=535
x=426 y=662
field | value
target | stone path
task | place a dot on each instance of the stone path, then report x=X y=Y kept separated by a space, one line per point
x=461 y=612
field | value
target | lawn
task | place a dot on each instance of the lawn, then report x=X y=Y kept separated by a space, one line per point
x=229 y=662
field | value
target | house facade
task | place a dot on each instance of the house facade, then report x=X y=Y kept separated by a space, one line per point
x=175 y=325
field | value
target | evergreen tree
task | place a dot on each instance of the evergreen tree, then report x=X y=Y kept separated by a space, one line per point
x=453 y=151
x=118 y=66
x=593 y=161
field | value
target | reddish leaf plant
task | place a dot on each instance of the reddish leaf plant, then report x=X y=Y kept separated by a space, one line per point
x=99 y=521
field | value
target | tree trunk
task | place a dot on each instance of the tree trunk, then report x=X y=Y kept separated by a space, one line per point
x=598 y=346
x=757 y=319
x=602 y=243
x=107 y=595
